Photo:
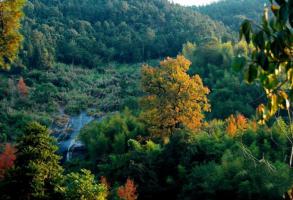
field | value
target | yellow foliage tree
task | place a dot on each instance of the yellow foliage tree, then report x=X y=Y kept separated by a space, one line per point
x=174 y=99
x=10 y=37
x=236 y=123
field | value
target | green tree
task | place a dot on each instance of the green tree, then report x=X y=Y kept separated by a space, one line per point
x=188 y=50
x=10 y=37
x=237 y=178
x=82 y=186
x=111 y=135
x=212 y=62
x=37 y=171
x=44 y=93
x=42 y=57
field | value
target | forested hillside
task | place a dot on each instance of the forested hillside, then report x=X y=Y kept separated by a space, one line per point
x=233 y=12
x=91 y=31
x=93 y=34
x=76 y=44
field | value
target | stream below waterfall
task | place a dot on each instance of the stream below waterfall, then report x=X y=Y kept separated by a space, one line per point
x=75 y=124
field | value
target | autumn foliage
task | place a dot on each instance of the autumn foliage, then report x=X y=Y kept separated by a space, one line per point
x=174 y=98
x=10 y=37
x=22 y=88
x=236 y=123
x=105 y=182
x=128 y=191
x=7 y=158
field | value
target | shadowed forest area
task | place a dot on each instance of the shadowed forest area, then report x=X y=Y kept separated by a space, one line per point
x=132 y=99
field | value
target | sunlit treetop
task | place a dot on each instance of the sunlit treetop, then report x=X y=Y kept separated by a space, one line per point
x=174 y=99
x=10 y=38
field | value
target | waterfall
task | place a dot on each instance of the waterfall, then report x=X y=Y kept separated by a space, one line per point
x=76 y=123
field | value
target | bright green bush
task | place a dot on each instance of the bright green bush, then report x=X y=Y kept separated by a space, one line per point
x=110 y=136
x=82 y=186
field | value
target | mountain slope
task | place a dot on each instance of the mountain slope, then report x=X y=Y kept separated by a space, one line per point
x=232 y=12
x=90 y=31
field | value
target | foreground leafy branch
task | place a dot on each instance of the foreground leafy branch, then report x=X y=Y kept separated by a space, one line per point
x=271 y=61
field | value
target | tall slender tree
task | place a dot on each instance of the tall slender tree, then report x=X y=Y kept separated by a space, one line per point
x=37 y=170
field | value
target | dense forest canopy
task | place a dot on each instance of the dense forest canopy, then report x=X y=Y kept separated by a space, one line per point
x=88 y=32
x=233 y=12
x=72 y=43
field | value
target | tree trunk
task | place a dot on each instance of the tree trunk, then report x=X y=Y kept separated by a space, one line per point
x=291 y=157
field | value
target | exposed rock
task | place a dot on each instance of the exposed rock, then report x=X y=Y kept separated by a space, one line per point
x=61 y=127
x=77 y=150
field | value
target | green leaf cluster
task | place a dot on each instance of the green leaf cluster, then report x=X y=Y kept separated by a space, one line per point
x=271 y=61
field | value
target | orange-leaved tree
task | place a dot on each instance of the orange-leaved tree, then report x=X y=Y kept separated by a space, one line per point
x=7 y=158
x=173 y=98
x=128 y=191
x=231 y=127
x=235 y=124
x=22 y=88
x=10 y=37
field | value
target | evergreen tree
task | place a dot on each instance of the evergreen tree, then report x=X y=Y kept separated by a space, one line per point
x=37 y=170
x=84 y=187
